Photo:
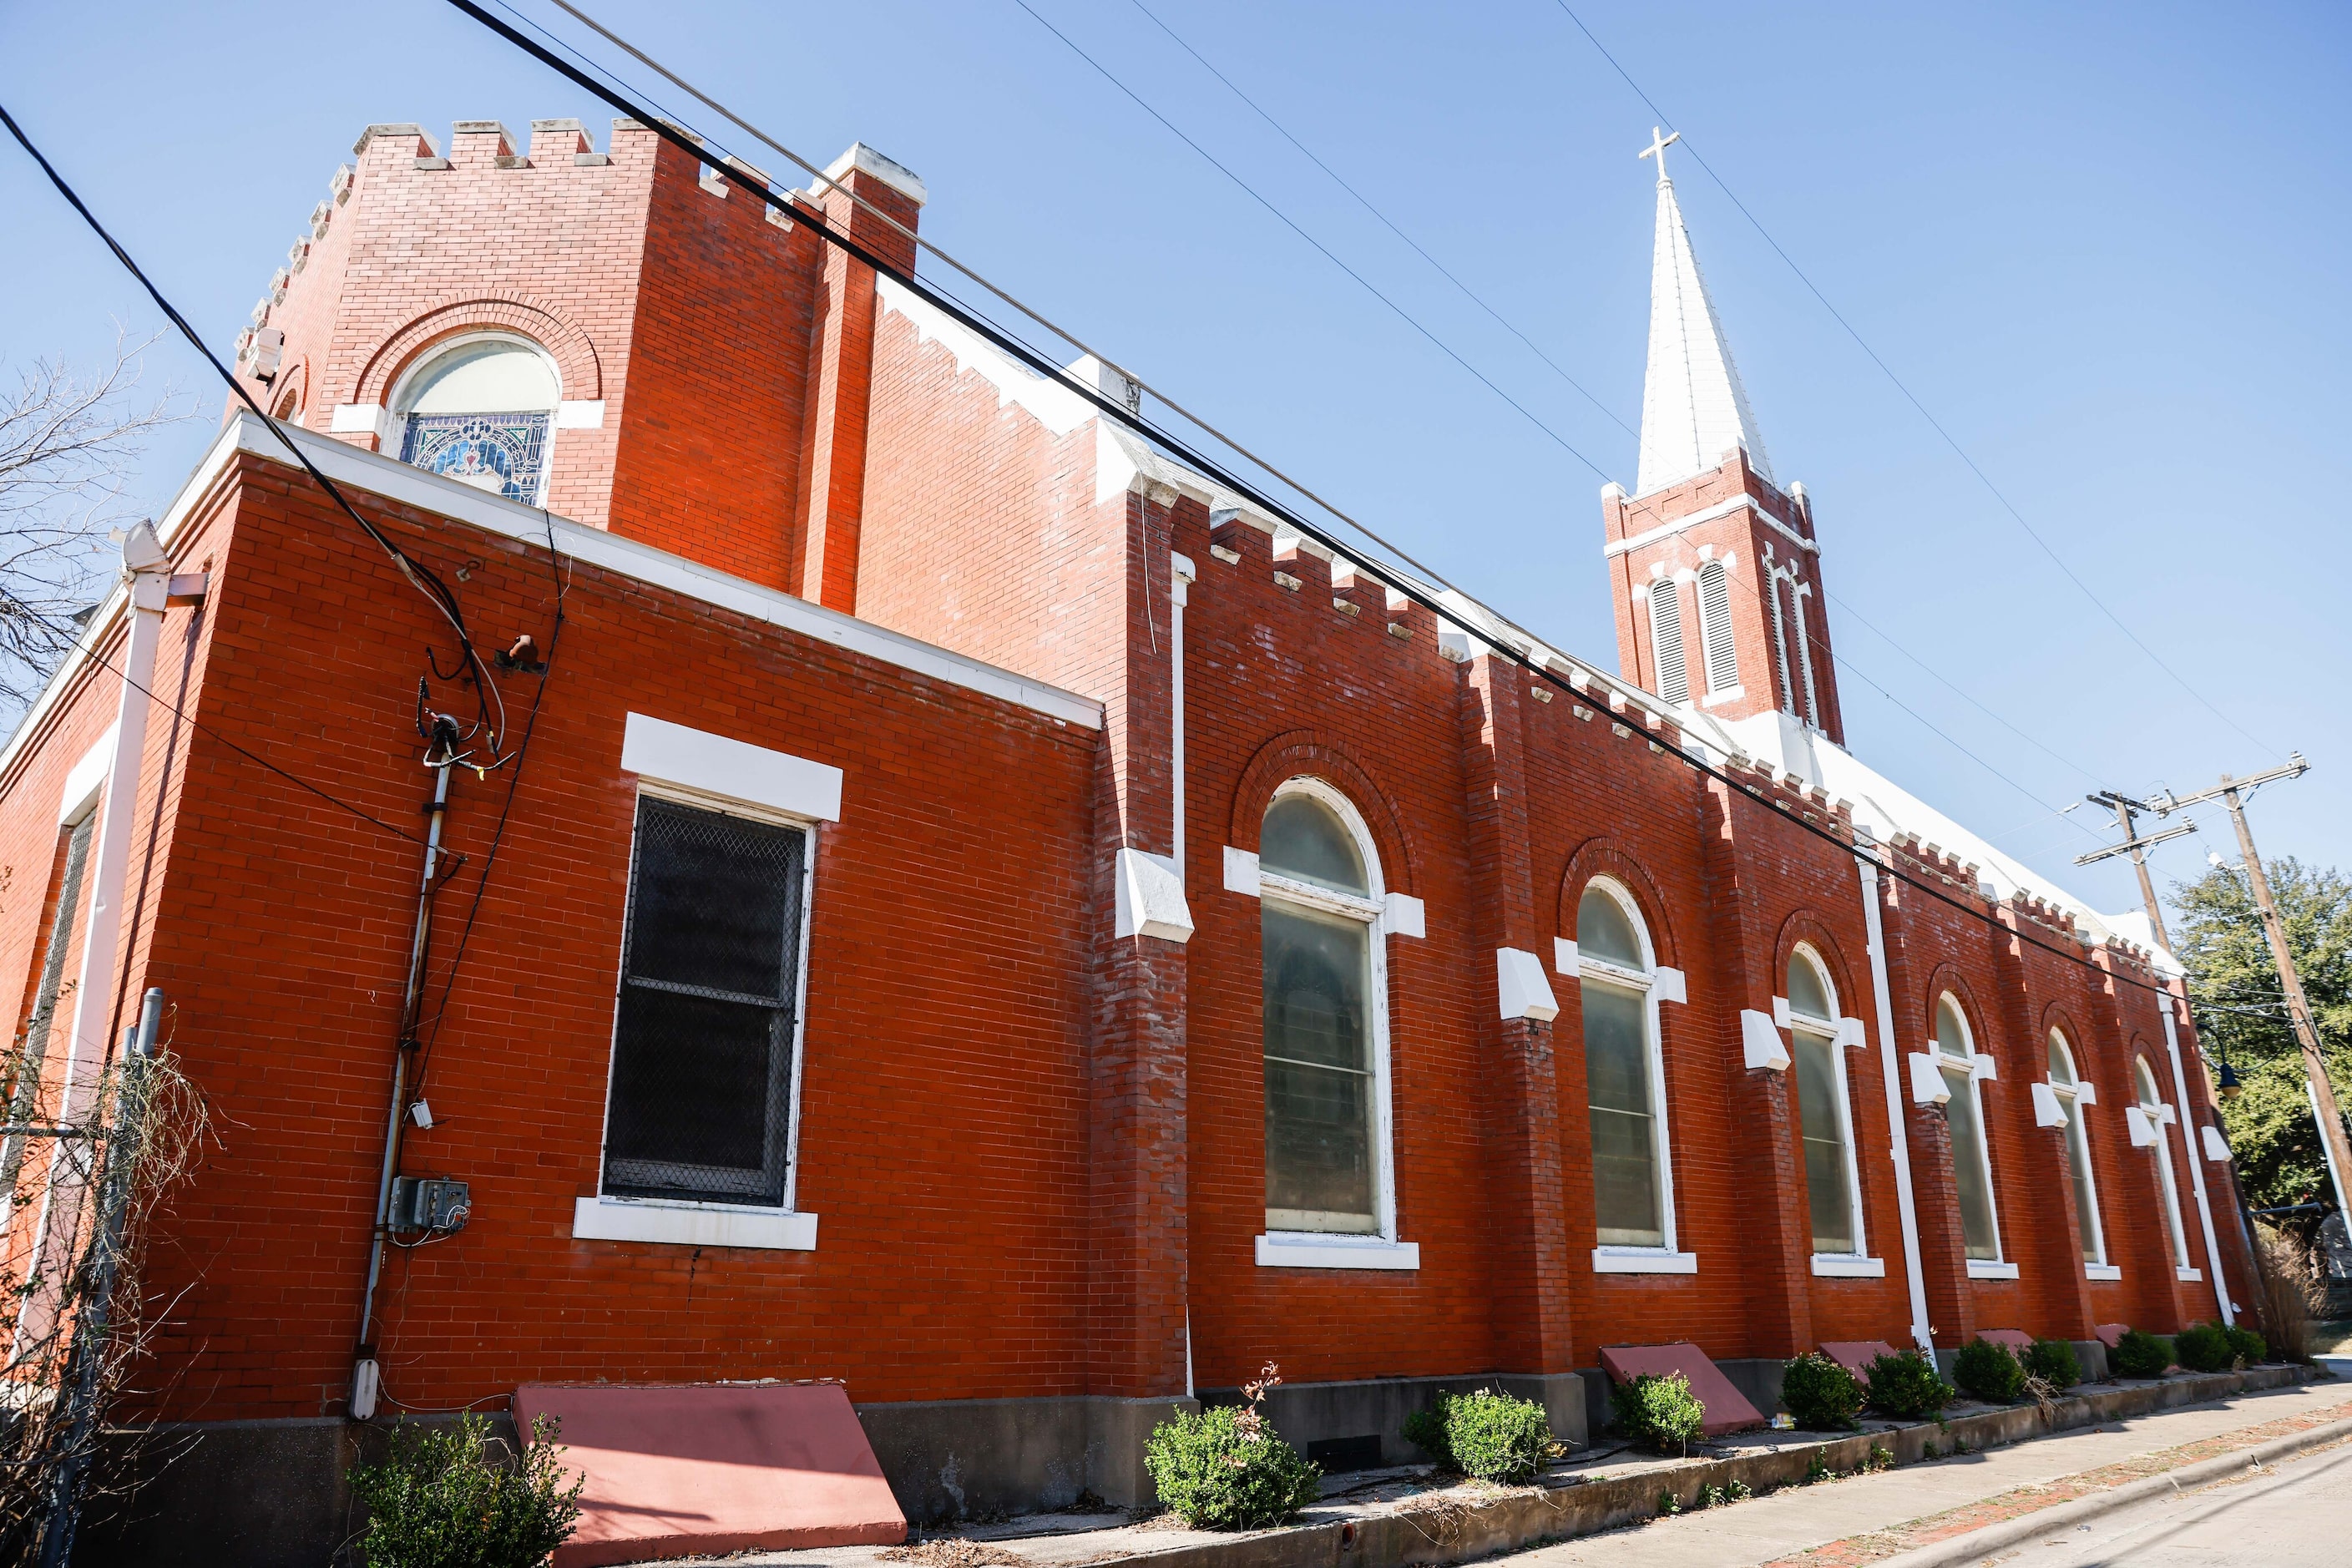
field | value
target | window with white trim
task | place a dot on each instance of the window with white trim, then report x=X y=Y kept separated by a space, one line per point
x=1715 y=628
x=481 y=411
x=1956 y=1055
x=1325 y=1018
x=707 y=1029
x=1666 y=640
x=1625 y=1072
x=2067 y=1085
x=1825 y=1125
x=2151 y=1105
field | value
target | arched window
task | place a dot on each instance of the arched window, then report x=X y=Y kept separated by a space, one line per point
x=2068 y=1086
x=1715 y=628
x=479 y=410
x=1624 y=1075
x=2152 y=1106
x=1666 y=640
x=1826 y=1127
x=1956 y=1054
x=1327 y=1098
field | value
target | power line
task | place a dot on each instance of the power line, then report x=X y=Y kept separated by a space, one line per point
x=1366 y=203
x=423 y=578
x=1937 y=425
x=1417 y=592
x=1475 y=297
x=1251 y=191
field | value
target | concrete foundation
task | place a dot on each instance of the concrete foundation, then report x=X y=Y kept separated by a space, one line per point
x=979 y=1459
x=1352 y=1416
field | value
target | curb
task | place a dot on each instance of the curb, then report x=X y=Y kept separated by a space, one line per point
x=1994 y=1537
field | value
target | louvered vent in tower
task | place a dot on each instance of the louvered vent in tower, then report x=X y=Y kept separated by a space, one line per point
x=1667 y=641
x=1715 y=628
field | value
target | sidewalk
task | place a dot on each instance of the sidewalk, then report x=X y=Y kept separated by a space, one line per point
x=1389 y=1518
x=1858 y=1520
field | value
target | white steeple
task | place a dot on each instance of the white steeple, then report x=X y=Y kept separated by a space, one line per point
x=1694 y=409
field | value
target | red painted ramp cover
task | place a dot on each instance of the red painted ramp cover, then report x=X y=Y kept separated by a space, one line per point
x=2017 y=1340
x=1855 y=1356
x=2112 y=1334
x=694 y=1470
x=1728 y=1409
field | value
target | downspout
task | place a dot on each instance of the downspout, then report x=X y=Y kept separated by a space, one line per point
x=2195 y=1164
x=149 y=570
x=1180 y=574
x=1180 y=577
x=1890 y=1066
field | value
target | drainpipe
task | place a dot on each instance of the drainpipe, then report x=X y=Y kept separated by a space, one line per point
x=2196 y=1165
x=1180 y=577
x=1891 y=1064
x=149 y=570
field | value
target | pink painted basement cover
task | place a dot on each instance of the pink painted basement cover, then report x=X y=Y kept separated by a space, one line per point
x=1728 y=1409
x=700 y=1469
x=2017 y=1340
x=2112 y=1334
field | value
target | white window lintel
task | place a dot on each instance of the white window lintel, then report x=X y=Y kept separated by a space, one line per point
x=729 y=768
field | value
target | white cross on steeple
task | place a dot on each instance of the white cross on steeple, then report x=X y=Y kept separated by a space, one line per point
x=1657 y=149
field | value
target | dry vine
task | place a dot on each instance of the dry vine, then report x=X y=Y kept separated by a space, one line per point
x=126 y=1136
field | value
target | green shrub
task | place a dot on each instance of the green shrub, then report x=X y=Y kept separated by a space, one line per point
x=2203 y=1347
x=1660 y=1414
x=1906 y=1386
x=1988 y=1370
x=452 y=1497
x=2140 y=1355
x=1822 y=1395
x=1487 y=1434
x=2056 y=1364
x=2251 y=1346
x=1224 y=1469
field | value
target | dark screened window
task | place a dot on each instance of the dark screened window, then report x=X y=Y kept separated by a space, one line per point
x=702 y=1049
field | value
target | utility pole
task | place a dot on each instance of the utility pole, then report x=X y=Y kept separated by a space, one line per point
x=2233 y=793
x=2127 y=810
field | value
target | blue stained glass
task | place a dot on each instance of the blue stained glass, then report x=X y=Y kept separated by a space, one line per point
x=501 y=453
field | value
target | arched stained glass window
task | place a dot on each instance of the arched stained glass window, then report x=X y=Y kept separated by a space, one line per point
x=1604 y=929
x=1633 y=1199
x=1964 y=1114
x=1824 y=1128
x=1326 y=1070
x=1303 y=840
x=2151 y=1105
x=2066 y=1084
x=479 y=412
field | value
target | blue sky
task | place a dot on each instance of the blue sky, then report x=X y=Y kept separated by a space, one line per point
x=2102 y=244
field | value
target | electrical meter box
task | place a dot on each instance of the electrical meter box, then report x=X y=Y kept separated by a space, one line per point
x=429 y=1203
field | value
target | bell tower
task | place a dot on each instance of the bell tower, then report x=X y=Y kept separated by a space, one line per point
x=1713 y=565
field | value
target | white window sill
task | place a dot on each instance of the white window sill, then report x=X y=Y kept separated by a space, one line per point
x=2103 y=1271
x=1300 y=1250
x=1983 y=1269
x=2190 y=1276
x=1845 y=1266
x=692 y=1225
x=1642 y=1260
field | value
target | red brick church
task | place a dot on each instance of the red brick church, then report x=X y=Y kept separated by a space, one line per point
x=992 y=917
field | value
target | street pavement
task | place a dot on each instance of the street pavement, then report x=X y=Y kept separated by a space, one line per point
x=2294 y=1515
x=1860 y=1519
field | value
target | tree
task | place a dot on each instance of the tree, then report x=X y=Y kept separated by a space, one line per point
x=66 y=442
x=2241 y=1015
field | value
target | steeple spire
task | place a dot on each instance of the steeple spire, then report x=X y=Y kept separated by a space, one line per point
x=1694 y=409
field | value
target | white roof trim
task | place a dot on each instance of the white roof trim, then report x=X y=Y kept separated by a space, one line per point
x=1708 y=514
x=395 y=480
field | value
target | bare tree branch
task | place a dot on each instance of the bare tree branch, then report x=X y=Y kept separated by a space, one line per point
x=67 y=443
